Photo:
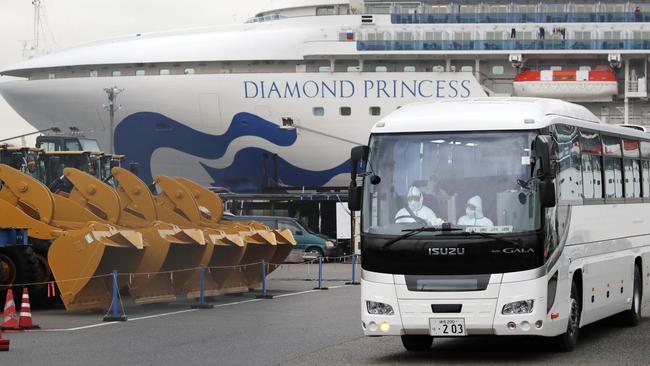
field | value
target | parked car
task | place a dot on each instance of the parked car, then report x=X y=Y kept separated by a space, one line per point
x=311 y=243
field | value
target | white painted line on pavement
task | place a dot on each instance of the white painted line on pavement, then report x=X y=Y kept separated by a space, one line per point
x=175 y=312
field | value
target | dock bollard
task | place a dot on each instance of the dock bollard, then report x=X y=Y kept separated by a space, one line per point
x=320 y=275
x=264 y=294
x=354 y=271
x=202 y=304
x=115 y=317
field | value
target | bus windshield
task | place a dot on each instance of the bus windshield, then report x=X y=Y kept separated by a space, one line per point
x=477 y=181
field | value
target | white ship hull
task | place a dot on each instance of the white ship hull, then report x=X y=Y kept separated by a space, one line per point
x=223 y=130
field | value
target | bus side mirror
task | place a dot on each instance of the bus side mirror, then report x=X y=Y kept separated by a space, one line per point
x=547 y=192
x=358 y=155
x=354 y=197
x=546 y=153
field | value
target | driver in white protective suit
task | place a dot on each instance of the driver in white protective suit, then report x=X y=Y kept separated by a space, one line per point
x=474 y=214
x=415 y=200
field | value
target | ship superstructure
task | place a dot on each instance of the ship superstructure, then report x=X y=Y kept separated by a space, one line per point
x=277 y=102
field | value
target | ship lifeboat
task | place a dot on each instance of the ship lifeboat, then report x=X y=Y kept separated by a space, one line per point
x=598 y=85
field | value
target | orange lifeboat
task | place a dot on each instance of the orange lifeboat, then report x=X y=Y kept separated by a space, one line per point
x=598 y=85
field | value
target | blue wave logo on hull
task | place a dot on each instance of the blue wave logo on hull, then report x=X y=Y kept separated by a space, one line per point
x=139 y=135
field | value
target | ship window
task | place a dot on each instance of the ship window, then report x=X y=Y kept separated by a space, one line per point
x=641 y=35
x=584 y=68
x=51 y=76
x=524 y=35
x=403 y=36
x=582 y=35
x=381 y=68
x=438 y=9
x=612 y=35
x=433 y=36
x=409 y=68
x=94 y=73
x=325 y=10
x=466 y=9
x=140 y=72
x=319 y=111
x=498 y=70
x=438 y=68
x=324 y=68
x=375 y=36
x=355 y=68
x=494 y=36
x=117 y=73
x=462 y=36
x=165 y=72
x=375 y=111
x=466 y=68
x=555 y=68
x=189 y=71
x=346 y=111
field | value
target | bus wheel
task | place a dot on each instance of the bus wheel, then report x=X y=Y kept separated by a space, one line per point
x=632 y=317
x=567 y=341
x=417 y=343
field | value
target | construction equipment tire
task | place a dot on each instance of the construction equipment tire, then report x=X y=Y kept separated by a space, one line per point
x=19 y=266
x=38 y=295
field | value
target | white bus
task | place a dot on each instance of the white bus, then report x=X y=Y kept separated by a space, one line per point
x=500 y=216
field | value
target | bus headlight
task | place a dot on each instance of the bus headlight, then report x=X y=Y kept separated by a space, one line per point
x=518 y=307
x=329 y=244
x=379 y=308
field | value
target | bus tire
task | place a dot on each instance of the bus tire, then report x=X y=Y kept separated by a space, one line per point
x=632 y=317
x=417 y=343
x=567 y=341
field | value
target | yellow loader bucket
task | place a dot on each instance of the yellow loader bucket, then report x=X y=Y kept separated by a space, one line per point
x=82 y=262
x=272 y=246
x=228 y=254
x=83 y=247
x=171 y=251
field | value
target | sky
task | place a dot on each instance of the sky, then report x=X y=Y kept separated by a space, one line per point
x=73 y=22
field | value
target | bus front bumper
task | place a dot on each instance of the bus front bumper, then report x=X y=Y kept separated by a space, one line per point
x=481 y=311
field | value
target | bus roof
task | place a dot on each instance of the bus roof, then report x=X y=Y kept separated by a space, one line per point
x=476 y=114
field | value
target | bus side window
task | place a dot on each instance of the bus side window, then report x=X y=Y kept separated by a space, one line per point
x=613 y=167
x=645 y=178
x=591 y=164
x=570 y=177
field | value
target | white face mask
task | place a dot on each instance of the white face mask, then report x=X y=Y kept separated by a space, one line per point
x=414 y=206
x=471 y=213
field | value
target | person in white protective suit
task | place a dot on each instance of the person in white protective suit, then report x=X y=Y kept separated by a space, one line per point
x=415 y=200
x=474 y=214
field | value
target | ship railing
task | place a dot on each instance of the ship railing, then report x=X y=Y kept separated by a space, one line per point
x=508 y=44
x=515 y=17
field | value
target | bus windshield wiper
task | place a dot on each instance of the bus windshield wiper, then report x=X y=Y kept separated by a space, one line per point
x=489 y=236
x=410 y=232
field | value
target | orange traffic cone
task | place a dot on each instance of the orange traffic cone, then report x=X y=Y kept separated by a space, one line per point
x=10 y=318
x=4 y=343
x=25 y=321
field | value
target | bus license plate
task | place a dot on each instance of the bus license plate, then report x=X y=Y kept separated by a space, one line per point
x=447 y=327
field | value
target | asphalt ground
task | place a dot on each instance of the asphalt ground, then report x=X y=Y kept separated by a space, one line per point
x=300 y=326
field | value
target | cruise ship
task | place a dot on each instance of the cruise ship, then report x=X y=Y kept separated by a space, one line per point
x=276 y=103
